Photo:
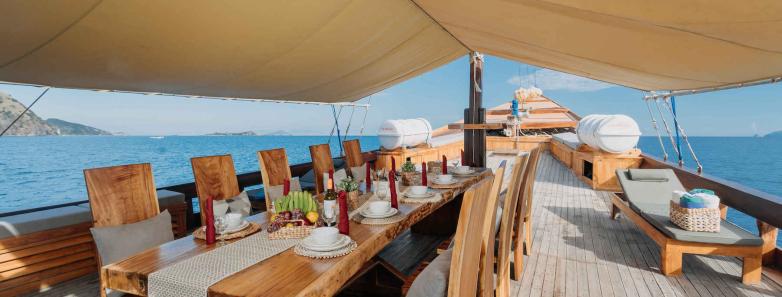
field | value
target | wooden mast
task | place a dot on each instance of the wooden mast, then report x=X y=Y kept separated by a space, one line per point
x=475 y=139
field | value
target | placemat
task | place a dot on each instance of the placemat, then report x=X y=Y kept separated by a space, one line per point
x=384 y=221
x=436 y=198
x=194 y=276
x=200 y=233
x=301 y=251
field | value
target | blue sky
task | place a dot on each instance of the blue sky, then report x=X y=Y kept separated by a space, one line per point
x=439 y=96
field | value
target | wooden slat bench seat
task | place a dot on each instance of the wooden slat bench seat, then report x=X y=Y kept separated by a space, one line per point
x=43 y=248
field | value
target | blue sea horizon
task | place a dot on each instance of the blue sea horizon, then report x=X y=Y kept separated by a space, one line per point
x=41 y=171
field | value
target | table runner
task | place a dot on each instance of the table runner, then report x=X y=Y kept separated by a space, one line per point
x=194 y=276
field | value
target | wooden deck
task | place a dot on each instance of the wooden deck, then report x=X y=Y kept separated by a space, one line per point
x=578 y=251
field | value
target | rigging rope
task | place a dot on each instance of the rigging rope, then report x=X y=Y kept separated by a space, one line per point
x=350 y=121
x=668 y=129
x=24 y=112
x=657 y=130
x=336 y=125
x=684 y=136
x=366 y=111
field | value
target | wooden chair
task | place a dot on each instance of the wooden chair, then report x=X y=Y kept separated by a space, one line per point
x=120 y=195
x=321 y=162
x=465 y=256
x=522 y=233
x=353 y=155
x=274 y=170
x=488 y=237
x=215 y=177
x=506 y=226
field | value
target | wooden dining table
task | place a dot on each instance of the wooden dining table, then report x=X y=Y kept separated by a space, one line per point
x=285 y=274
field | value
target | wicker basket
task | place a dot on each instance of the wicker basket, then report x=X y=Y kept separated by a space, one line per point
x=695 y=219
x=292 y=232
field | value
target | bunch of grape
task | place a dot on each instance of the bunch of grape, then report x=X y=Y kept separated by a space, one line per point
x=297 y=214
x=276 y=224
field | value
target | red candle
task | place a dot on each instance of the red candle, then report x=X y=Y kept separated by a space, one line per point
x=210 y=221
x=286 y=187
x=393 y=164
x=464 y=162
x=344 y=222
x=445 y=165
x=423 y=174
x=392 y=187
x=368 y=178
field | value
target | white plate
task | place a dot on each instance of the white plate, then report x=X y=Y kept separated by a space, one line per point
x=343 y=241
x=468 y=172
x=391 y=211
x=241 y=227
x=428 y=194
x=439 y=182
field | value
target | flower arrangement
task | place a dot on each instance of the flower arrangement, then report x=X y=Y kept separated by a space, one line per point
x=348 y=184
x=408 y=173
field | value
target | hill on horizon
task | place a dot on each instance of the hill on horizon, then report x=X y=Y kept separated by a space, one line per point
x=31 y=124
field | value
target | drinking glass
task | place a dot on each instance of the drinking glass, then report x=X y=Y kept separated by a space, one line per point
x=220 y=226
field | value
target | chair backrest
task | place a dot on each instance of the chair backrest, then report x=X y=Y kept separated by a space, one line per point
x=274 y=169
x=121 y=194
x=463 y=277
x=353 y=156
x=486 y=284
x=321 y=162
x=215 y=177
x=524 y=206
x=506 y=225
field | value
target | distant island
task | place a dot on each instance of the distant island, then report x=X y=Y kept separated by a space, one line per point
x=777 y=134
x=31 y=124
x=245 y=133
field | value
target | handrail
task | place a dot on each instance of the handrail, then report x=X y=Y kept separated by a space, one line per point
x=246 y=179
x=758 y=204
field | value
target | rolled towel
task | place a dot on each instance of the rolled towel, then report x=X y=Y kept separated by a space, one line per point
x=676 y=195
x=705 y=191
x=709 y=200
x=690 y=201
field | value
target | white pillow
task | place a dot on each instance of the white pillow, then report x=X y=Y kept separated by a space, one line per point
x=240 y=204
x=116 y=243
x=339 y=175
x=275 y=192
x=359 y=173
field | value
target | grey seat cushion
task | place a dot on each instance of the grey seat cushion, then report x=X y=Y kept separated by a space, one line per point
x=658 y=216
x=22 y=224
x=164 y=198
x=119 y=242
x=568 y=138
x=433 y=280
x=650 y=198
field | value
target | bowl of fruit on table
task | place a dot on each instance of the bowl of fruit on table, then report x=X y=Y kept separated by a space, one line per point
x=295 y=215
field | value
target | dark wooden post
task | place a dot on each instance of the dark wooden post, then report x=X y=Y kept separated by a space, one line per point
x=475 y=139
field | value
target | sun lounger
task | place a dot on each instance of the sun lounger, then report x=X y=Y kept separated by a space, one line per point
x=648 y=192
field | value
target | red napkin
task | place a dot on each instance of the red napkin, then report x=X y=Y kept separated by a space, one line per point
x=464 y=162
x=210 y=221
x=392 y=187
x=368 y=178
x=331 y=179
x=344 y=222
x=445 y=165
x=393 y=164
x=286 y=187
x=423 y=174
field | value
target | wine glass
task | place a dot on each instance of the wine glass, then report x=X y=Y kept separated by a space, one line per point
x=220 y=226
x=329 y=213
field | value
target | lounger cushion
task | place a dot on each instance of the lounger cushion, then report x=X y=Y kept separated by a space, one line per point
x=647 y=175
x=433 y=280
x=22 y=224
x=164 y=198
x=658 y=216
x=119 y=242
x=568 y=138
x=650 y=199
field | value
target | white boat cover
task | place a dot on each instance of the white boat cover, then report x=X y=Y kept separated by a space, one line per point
x=341 y=50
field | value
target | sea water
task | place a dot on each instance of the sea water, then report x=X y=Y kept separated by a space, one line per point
x=41 y=171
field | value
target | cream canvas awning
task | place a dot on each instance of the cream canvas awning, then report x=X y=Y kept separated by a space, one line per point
x=340 y=50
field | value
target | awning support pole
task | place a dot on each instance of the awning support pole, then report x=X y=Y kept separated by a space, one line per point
x=475 y=140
